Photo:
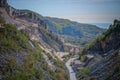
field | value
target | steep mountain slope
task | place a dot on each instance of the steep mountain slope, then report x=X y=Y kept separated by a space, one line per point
x=73 y=32
x=21 y=54
x=22 y=59
x=106 y=51
x=33 y=24
x=48 y=31
x=107 y=41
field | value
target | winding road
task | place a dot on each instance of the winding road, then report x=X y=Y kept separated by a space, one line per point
x=71 y=71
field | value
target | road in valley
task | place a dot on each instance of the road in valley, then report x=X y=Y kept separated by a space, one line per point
x=71 y=71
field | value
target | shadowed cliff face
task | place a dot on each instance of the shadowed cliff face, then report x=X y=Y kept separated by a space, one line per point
x=109 y=40
x=107 y=45
x=108 y=68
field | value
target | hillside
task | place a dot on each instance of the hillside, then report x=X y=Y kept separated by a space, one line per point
x=22 y=59
x=73 y=32
x=107 y=41
x=25 y=48
x=105 y=65
x=70 y=31
x=48 y=31
x=33 y=24
x=34 y=47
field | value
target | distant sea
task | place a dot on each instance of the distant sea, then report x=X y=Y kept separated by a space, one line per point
x=102 y=25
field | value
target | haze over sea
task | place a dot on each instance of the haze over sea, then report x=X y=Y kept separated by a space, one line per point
x=102 y=25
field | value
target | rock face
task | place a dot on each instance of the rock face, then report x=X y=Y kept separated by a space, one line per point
x=22 y=33
x=3 y=3
x=108 y=68
x=109 y=40
x=107 y=46
x=9 y=9
x=19 y=13
x=33 y=23
x=76 y=33
x=72 y=48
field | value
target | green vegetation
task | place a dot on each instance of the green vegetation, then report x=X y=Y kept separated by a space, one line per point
x=50 y=39
x=113 y=28
x=56 y=61
x=109 y=40
x=75 y=33
x=2 y=21
x=25 y=62
x=11 y=39
x=85 y=71
x=61 y=73
x=82 y=57
x=67 y=57
x=59 y=23
x=28 y=70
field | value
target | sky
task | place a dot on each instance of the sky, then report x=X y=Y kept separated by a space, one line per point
x=84 y=11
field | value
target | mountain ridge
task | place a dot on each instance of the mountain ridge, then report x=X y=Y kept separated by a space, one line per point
x=33 y=24
x=73 y=31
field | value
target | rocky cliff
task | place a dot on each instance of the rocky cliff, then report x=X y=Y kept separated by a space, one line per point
x=3 y=3
x=109 y=67
x=106 y=50
x=24 y=47
x=33 y=24
x=107 y=41
x=74 y=32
